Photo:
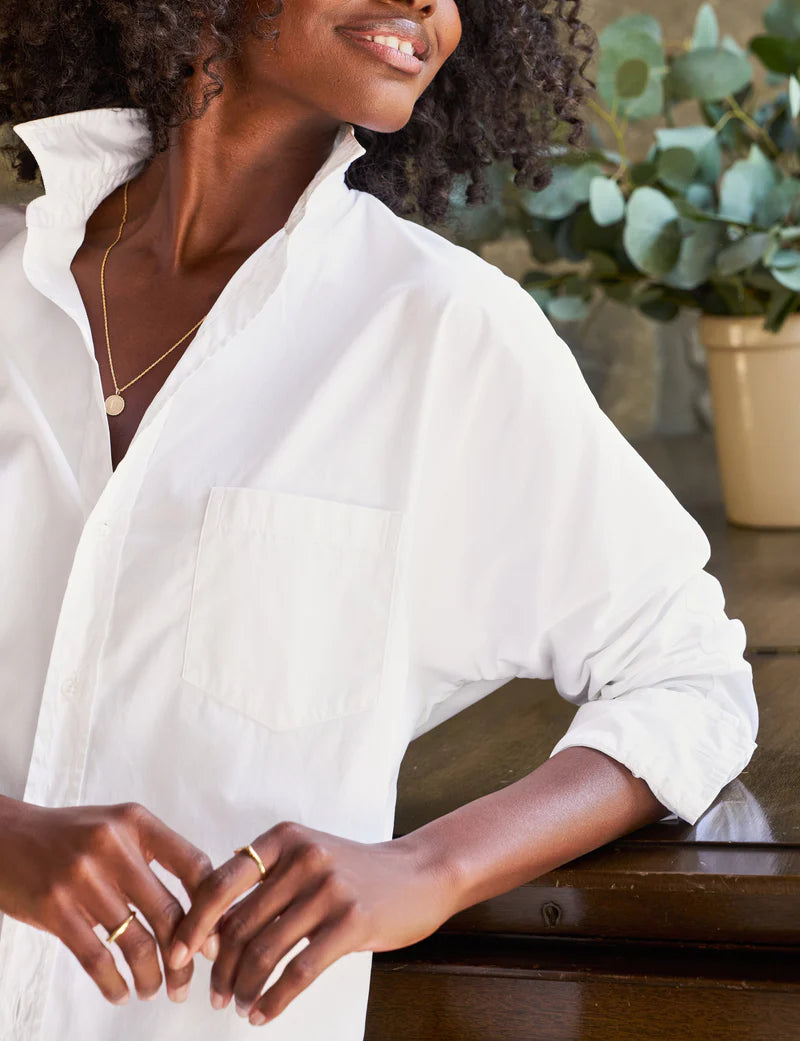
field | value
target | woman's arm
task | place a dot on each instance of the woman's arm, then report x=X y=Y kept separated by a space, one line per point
x=348 y=896
x=574 y=802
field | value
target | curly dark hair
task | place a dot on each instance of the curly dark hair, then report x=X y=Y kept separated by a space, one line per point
x=505 y=94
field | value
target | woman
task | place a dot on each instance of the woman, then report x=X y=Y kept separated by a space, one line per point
x=288 y=479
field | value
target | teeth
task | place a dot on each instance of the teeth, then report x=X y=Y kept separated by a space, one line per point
x=404 y=46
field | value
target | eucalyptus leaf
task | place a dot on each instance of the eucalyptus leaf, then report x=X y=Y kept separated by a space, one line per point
x=632 y=78
x=586 y=234
x=701 y=196
x=677 y=168
x=621 y=43
x=567 y=308
x=780 y=204
x=742 y=254
x=698 y=139
x=760 y=278
x=782 y=18
x=746 y=185
x=541 y=241
x=709 y=74
x=706 y=28
x=729 y=44
x=603 y=266
x=606 y=201
x=784 y=132
x=789 y=277
x=567 y=190
x=655 y=305
x=542 y=295
x=794 y=97
x=785 y=258
x=698 y=250
x=620 y=28
x=777 y=53
x=566 y=244
x=782 y=303
x=643 y=173
x=652 y=235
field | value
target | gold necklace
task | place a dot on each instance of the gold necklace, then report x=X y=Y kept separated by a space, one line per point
x=115 y=403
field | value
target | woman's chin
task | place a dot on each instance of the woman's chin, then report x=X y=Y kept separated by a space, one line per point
x=383 y=122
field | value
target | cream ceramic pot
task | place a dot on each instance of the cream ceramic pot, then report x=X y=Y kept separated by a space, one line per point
x=754 y=379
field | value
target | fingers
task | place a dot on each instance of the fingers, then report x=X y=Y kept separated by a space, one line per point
x=264 y=950
x=163 y=913
x=215 y=893
x=325 y=946
x=189 y=864
x=137 y=944
x=246 y=920
x=95 y=958
x=180 y=857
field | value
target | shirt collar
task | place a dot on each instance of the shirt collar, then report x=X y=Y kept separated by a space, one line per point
x=83 y=156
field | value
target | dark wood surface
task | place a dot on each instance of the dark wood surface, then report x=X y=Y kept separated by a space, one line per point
x=672 y=932
x=521 y=990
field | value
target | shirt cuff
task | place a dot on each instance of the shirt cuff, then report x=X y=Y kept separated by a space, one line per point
x=685 y=748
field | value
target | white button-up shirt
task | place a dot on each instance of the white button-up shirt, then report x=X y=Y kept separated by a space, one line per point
x=374 y=488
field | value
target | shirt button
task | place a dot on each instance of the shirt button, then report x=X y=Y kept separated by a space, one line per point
x=103 y=529
x=70 y=684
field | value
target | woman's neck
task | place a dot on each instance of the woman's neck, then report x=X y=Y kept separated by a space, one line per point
x=227 y=182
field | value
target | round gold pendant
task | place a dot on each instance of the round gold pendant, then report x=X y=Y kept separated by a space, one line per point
x=114 y=404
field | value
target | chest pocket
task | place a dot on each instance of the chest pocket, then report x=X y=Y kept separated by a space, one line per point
x=290 y=605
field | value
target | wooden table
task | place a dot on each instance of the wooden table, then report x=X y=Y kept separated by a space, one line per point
x=672 y=933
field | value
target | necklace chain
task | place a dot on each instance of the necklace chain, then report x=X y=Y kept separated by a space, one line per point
x=115 y=402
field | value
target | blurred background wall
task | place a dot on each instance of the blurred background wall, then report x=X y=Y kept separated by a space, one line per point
x=648 y=377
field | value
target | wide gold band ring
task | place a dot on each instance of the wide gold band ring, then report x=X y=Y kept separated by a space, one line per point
x=252 y=853
x=116 y=933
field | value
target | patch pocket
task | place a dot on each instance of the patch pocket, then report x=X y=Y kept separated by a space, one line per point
x=290 y=605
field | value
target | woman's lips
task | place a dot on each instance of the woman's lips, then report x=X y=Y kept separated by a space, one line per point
x=406 y=62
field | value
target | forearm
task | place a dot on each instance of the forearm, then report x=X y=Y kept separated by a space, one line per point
x=574 y=802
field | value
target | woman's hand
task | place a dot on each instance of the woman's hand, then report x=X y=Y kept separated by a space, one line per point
x=66 y=870
x=343 y=895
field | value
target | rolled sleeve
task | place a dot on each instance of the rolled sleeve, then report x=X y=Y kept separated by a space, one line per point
x=545 y=547
x=686 y=735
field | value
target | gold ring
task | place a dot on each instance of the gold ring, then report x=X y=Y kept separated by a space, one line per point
x=252 y=853
x=116 y=933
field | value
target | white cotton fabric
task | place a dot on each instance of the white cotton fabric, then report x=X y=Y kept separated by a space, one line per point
x=374 y=488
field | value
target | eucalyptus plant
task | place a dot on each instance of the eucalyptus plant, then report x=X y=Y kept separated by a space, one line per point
x=709 y=219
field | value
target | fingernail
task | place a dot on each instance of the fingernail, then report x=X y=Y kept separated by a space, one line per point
x=217 y=1000
x=211 y=947
x=180 y=993
x=179 y=956
x=123 y=999
x=243 y=1010
x=258 y=1018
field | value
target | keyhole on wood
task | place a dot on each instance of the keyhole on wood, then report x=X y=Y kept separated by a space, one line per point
x=551 y=914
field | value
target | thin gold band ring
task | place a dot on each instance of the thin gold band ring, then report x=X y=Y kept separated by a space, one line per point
x=116 y=933
x=252 y=853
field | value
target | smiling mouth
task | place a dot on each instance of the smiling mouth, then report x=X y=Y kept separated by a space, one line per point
x=390 y=52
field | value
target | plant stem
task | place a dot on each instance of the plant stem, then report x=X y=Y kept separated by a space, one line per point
x=738 y=113
x=617 y=129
